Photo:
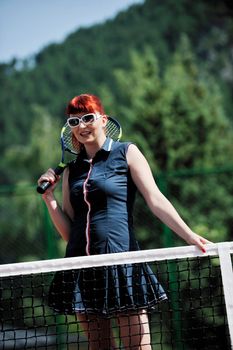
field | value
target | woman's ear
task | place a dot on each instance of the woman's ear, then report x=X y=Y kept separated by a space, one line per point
x=104 y=119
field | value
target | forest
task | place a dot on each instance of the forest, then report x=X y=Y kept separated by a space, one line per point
x=164 y=69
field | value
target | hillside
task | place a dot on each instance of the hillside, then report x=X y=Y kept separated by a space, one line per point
x=164 y=68
x=86 y=60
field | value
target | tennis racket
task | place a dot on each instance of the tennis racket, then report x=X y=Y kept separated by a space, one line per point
x=71 y=145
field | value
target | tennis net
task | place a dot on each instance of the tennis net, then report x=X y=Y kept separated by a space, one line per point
x=197 y=314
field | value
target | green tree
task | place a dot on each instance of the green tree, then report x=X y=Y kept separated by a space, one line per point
x=23 y=223
x=23 y=162
x=178 y=120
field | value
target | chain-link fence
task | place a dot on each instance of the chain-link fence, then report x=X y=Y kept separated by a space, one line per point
x=204 y=198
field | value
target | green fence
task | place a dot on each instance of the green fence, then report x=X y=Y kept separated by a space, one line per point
x=203 y=197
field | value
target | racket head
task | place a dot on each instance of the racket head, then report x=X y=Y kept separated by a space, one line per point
x=70 y=144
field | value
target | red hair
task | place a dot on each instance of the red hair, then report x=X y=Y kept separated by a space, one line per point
x=85 y=103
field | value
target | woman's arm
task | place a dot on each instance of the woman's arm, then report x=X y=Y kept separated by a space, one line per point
x=61 y=217
x=156 y=201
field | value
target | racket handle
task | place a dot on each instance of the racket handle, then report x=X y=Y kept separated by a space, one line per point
x=46 y=184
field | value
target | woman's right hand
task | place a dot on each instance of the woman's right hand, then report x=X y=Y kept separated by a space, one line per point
x=50 y=176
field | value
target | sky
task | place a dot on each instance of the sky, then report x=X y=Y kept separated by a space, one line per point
x=27 y=26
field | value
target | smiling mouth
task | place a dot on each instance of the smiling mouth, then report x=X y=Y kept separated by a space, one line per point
x=85 y=133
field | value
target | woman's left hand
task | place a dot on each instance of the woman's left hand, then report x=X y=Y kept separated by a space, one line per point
x=199 y=241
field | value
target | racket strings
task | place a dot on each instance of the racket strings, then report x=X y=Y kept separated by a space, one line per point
x=70 y=142
x=113 y=130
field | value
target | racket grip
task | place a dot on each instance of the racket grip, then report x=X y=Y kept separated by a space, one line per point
x=46 y=184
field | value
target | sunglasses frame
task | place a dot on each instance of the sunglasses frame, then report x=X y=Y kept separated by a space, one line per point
x=80 y=119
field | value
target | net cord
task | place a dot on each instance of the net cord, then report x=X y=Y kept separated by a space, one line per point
x=52 y=265
x=227 y=280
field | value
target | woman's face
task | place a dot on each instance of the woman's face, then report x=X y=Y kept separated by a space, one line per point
x=89 y=127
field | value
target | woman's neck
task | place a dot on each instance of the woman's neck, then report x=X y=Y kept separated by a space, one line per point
x=93 y=148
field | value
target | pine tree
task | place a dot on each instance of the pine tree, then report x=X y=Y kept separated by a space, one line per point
x=177 y=119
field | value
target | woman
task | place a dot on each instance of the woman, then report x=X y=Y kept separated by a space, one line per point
x=96 y=218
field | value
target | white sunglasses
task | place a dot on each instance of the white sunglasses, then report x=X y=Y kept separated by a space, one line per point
x=86 y=119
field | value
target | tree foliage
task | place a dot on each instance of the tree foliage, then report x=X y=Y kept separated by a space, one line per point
x=164 y=69
x=88 y=57
x=178 y=120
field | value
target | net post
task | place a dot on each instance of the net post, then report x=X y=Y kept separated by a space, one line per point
x=172 y=276
x=52 y=253
x=162 y=181
x=227 y=279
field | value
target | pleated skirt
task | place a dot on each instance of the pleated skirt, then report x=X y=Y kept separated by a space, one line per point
x=105 y=290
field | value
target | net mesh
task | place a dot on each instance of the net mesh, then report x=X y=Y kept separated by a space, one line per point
x=193 y=317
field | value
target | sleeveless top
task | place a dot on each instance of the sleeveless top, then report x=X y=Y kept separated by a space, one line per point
x=102 y=195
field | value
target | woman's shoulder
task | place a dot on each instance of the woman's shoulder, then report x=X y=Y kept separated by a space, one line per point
x=122 y=144
x=120 y=148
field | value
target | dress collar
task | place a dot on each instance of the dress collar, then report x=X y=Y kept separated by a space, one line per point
x=107 y=146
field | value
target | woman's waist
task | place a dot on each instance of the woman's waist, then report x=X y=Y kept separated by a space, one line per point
x=102 y=216
x=101 y=243
x=99 y=227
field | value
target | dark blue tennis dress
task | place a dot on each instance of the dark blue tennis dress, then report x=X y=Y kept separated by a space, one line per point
x=102 y=195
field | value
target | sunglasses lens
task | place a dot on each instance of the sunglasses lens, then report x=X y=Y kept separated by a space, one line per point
x=85 y=119
x=73 y=122
x=88 y=118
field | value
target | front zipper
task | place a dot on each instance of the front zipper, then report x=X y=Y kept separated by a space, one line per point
x=85 y=193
